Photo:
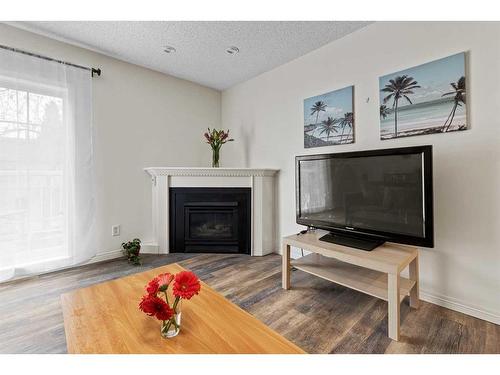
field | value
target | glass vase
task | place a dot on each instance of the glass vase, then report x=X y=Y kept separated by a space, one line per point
x=171 y=328
x=215 y=157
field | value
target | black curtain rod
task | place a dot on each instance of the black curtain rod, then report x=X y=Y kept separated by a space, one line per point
x=92 y=70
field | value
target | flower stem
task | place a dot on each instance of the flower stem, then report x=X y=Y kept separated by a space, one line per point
x=166 y=326
x=172 y=320
x=177 y=299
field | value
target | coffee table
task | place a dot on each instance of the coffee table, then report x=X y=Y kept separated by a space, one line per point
x=105 y=318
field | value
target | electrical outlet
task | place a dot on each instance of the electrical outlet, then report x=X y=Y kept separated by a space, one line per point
x=115 y=230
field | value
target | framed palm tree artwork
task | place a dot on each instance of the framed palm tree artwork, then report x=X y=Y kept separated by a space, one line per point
x=329 y=118
x=426 y=99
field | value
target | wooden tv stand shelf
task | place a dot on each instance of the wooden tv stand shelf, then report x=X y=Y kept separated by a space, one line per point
x=375 y=272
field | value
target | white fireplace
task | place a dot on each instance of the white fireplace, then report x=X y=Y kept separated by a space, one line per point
x=263 y=238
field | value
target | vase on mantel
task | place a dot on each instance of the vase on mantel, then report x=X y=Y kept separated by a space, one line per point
x=215 y=157
x=216 y=138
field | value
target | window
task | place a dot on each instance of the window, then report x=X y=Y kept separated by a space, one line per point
x=33 y=209
x=46 y=168
x=24 y=113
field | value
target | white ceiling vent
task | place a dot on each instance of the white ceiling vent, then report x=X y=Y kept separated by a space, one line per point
x=169 y=49
x=232 y=50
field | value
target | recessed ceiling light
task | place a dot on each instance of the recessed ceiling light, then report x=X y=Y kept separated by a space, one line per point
x=169 y=49
x=232 y=50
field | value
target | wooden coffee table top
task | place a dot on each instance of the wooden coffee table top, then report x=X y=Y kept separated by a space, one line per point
x=105 y=318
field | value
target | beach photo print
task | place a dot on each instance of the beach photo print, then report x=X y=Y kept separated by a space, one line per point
x=329 y=118
x=426 y=99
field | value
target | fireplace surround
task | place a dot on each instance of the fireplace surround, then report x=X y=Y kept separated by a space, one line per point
x=260 y=182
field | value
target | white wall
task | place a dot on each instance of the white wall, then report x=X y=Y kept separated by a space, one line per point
x=265 y=115
x=141 y=119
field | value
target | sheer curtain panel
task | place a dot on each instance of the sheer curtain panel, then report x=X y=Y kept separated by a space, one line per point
x=47 y=204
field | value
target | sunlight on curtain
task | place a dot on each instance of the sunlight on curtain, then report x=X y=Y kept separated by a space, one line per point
x=46 y=166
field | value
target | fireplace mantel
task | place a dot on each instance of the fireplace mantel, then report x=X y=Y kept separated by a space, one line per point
x=214 y=172
x=261 y=181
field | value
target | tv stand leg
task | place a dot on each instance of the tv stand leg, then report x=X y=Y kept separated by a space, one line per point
x=285 y=271
x=394 y=305
x=414 y=292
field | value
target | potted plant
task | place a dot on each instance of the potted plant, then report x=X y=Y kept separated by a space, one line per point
x=131 y=250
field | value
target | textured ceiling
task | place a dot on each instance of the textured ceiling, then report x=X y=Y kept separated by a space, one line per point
x=201 y=46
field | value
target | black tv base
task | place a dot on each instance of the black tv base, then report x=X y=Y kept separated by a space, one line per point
x=366 y=244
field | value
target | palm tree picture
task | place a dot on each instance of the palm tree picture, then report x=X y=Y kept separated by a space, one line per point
x=384 y=111
x=346 y=121
x=317 y=108
x=458 y=98
x=399 y=87
x=329 y=119
x=328 y=127
x=418 y=100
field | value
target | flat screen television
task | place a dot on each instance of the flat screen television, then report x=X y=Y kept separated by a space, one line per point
x=366 y=198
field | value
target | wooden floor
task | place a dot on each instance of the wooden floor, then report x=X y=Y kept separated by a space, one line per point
x=317 y=315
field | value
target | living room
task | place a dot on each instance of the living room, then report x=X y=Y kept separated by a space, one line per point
x=289 y=187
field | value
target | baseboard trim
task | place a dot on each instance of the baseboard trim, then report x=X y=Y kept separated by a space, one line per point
x=448 y=302
x=150 y=248
x=101 y=257
x=440 y=300
x=456 y=305
x=147 y=248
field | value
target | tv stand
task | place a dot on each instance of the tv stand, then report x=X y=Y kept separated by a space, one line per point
x=367 y=244
x=376 y=272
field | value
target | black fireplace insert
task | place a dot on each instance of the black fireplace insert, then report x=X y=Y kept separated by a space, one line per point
x=210 y=220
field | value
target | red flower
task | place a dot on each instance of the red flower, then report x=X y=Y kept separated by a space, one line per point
x=164 y=281
x=155 y=306
x=165 y=313
x=186 y=285
x=153 y=286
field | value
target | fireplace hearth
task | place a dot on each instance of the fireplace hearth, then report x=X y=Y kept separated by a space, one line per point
x=210 y=220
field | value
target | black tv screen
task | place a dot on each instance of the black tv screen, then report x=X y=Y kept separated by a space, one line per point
x=380 y=193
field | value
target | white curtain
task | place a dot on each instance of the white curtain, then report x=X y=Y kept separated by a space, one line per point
x=47 y=202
